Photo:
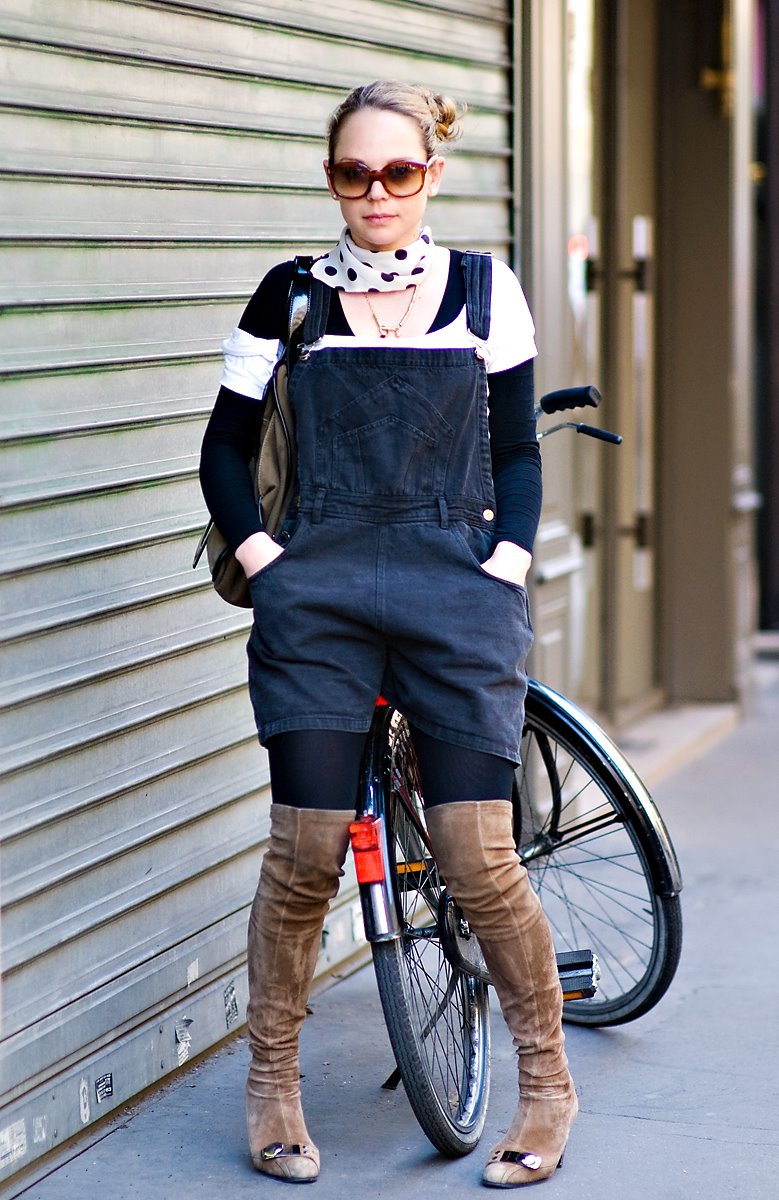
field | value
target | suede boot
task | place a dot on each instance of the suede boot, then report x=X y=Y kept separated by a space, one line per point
x=474 y=848
x=300 y=874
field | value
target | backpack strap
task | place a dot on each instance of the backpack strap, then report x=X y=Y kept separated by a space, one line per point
x=477 y=269
x=318 y=310
x=299 y=302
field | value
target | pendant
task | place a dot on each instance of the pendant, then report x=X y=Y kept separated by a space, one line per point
x=386 y=330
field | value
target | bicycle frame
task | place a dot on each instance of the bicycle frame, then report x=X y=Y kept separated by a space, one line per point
x=377 y=881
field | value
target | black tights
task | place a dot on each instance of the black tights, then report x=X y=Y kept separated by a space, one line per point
x=319 y=768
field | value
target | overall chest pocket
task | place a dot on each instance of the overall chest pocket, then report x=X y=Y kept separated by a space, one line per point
x=390 y=441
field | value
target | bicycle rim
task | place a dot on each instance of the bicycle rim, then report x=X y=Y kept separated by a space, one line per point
x=589 y=857
x=437 y=1017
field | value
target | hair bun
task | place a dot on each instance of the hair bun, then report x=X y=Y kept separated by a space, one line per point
x=446 y=113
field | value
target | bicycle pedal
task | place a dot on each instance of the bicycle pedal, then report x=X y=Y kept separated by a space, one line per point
x=579 y=972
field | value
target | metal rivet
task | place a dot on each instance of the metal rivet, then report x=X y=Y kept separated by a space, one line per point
x=488 y=514
x=531 y=1161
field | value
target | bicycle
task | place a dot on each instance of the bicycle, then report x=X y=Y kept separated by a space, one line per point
x=597 y=851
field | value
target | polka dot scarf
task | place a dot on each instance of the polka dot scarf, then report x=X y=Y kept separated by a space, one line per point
x=352 y=269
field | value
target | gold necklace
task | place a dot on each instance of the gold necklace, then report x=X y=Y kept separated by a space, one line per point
x=385 y=330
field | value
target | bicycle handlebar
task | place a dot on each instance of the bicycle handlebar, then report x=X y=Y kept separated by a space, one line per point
x=604 y=435
x=587 y=395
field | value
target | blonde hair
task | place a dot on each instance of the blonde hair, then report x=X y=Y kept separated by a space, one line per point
x=438 y=117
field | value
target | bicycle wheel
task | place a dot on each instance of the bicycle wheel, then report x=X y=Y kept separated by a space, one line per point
x=437 y=1017
x=600 y=858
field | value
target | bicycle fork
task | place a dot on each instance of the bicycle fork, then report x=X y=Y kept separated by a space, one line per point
x=368 y=834
x=371 y=859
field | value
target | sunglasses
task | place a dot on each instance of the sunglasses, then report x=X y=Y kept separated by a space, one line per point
x=350 y=179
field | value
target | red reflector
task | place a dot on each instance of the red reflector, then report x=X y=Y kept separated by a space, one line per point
x=381 y=702
x=366 y=840
x=366 y=833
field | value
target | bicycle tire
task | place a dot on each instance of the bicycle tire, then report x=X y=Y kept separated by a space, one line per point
x=600 y=858
x=437 y=1017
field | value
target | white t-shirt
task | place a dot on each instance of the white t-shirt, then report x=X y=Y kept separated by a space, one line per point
x=249 y=361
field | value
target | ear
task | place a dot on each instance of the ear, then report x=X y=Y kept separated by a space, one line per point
x=325 y=165
x=434 y=173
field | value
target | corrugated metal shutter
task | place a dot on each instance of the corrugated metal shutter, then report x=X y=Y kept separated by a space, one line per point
x=157 y=159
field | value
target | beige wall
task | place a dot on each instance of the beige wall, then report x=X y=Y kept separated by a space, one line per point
x=705 y=482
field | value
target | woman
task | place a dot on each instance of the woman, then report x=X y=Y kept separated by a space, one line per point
x=404 y=574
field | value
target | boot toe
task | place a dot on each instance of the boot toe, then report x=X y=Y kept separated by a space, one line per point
x=517 y=1168
x=291 y=1162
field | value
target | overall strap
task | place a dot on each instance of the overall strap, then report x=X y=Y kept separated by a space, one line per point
x=477 y=269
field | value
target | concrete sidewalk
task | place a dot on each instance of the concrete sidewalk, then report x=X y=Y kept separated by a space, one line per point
x=684 y=1103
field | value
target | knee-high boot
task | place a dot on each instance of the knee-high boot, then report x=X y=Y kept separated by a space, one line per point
x=474 y=847
x=299 y=876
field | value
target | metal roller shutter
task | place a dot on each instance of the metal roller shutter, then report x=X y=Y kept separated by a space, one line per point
x=157 y=159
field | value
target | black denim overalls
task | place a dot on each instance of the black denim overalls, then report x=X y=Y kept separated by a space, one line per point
x=380 y=588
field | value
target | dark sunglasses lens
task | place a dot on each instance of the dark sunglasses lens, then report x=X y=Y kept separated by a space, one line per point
x=403 y=179
x=350 y=180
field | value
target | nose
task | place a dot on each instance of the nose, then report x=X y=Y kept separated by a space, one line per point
x=377 y=191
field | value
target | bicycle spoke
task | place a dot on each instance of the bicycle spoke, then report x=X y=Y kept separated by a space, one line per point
x=586 y=844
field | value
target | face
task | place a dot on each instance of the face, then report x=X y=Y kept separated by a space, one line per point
x=377 y=136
